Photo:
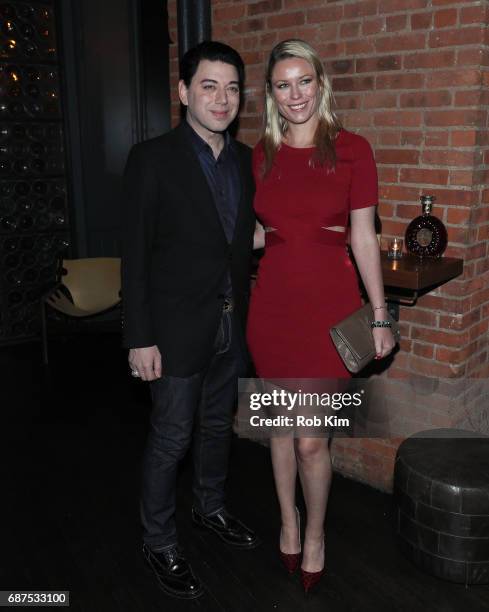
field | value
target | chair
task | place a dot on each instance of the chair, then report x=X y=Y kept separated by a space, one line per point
x=88 y=287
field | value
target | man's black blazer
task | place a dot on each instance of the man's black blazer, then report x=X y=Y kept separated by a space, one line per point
x=175 y=252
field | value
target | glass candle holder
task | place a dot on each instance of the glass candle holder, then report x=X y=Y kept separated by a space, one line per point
x=395 y=248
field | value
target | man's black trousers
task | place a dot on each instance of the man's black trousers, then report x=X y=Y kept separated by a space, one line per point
x=196 y=411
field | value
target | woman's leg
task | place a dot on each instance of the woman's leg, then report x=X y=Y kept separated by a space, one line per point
x=314 y=464
x=285 y=474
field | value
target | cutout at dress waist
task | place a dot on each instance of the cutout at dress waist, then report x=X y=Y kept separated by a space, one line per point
x=314 y=234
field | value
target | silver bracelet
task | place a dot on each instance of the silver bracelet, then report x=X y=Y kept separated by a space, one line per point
x=380 y=324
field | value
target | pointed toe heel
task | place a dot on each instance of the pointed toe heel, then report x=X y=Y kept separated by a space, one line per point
x=310 y=579
x=290 y=561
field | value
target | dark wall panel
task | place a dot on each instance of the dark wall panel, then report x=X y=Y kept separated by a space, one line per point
x=154 y=41
x=116 y=56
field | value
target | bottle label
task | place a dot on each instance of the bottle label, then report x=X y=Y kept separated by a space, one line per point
x=424 y=237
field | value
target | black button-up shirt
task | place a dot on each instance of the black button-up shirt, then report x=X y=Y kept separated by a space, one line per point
x=223 y=178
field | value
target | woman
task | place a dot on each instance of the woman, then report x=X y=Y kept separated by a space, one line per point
x=311 y=175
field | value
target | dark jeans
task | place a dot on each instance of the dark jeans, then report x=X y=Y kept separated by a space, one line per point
x=199 y=407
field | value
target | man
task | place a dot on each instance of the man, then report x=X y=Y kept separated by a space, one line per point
x=188 y=234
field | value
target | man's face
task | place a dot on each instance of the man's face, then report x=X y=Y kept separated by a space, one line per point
x=212 y=100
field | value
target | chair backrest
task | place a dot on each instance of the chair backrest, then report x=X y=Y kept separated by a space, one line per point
x=94 y=283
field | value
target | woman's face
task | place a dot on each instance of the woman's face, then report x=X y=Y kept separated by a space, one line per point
x=295 y=90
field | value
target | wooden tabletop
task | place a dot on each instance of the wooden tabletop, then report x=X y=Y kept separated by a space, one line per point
x=410 y=272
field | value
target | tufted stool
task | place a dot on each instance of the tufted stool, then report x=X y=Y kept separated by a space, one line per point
x=441 y=492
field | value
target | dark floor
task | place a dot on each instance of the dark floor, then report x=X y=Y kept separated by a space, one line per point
x=70 y=454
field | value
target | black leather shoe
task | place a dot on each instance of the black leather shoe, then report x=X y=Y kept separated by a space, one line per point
x=173 y=573
x=228 y=528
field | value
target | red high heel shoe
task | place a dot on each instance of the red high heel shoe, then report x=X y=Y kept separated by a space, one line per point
x=310 y=579
x=291 y=560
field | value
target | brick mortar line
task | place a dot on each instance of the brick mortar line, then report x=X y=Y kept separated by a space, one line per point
x=447 y=147
x=421 y=166
x=395 y=71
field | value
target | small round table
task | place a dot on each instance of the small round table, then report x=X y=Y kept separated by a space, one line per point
x=441 y=492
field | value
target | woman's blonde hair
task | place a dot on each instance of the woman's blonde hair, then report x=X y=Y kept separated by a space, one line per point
x=275 y=126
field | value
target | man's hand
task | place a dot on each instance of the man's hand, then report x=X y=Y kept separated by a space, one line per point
x=146 y=362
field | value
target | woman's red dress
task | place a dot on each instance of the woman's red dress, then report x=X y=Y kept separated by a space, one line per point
x=306 y=281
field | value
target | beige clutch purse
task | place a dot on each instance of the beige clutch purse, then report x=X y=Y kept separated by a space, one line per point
x=353 y=338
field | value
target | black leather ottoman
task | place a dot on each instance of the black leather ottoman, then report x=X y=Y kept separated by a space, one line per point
x=441 y=492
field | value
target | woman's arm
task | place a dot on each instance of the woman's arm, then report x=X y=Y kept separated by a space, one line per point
x=259 y=236
x=365 y=247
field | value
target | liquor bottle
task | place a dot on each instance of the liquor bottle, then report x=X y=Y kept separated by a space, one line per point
x=26 y=30
x=30 y=49
x=10 y=245
x=34 y=109
x=26 y=11
x=41 y=204
x=44 y=32
x=34 y=75
x=8 y=224
x=26 y=222
x=9 y=49
x=38 y=165
x=40 y=187
x=33 y=91
x=14 y=73
x=21 y=166
x=4 y=167
x=5 y=189
x=14 y=277
x=24 y=205
x=62 y=244
x=426 y=236
x=8 y=28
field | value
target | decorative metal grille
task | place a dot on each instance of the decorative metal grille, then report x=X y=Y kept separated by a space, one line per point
x=33 y=196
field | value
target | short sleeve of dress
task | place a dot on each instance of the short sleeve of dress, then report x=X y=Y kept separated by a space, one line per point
x=364 y=185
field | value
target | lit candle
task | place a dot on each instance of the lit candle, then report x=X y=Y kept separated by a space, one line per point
x=395 y=248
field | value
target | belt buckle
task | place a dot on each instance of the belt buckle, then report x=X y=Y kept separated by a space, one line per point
x=227 y=305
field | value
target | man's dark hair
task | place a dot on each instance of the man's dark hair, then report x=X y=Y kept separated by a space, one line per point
x=214 y=52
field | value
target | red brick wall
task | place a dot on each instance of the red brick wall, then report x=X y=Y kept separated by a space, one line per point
x=413 y=77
